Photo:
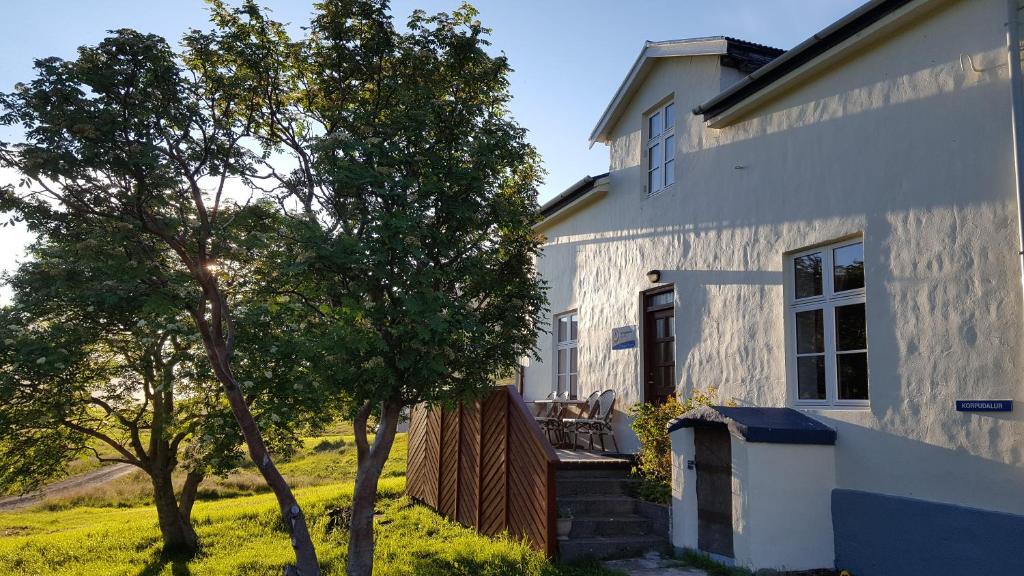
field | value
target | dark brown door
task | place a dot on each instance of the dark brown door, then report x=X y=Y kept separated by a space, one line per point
x=713 y=460
x=659 y=346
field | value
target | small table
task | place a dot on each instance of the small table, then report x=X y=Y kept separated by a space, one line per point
x=577 y=403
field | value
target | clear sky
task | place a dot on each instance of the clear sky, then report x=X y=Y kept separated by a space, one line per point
x=569 y=55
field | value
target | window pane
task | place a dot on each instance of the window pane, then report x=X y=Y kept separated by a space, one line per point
x=654 y=181
x=573 y=385
x=654 y=154
x=563 y=329
x=572 y=360
x=562 y=364
x=670 y=116
x=575 y=327
x=670 y=148
x=850 y=331
x=661 y=299
x=561 y=383
x=811 y=377
x=654 y=125
x=667 y=350
x=853 y=376
x=807 y=270
x=849 y=267
x=810 y=332
x=670 y=172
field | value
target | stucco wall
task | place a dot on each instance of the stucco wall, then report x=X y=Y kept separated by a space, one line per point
x=898 y=144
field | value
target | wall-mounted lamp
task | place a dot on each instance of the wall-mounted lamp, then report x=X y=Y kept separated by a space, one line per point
x=654 y=276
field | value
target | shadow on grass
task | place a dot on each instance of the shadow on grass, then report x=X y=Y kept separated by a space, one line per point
x=178 y=563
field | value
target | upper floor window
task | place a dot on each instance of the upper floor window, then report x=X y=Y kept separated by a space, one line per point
x=661 y=148
x=827 y=317
x=566 y=353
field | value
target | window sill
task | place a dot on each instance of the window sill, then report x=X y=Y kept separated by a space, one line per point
x=659 y=192
x=833 y=407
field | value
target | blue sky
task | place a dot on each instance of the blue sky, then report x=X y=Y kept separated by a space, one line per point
x=569 y=55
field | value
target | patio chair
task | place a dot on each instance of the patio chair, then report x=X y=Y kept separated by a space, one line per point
x=600 y=423
x=586 y=412
x=551 y=422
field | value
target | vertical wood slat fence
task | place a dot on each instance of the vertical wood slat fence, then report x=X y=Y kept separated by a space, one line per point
x=486 y=465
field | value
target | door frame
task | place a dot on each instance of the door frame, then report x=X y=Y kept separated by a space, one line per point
x=644 y=295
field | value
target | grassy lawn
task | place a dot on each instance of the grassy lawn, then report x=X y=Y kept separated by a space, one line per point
x=112 y=529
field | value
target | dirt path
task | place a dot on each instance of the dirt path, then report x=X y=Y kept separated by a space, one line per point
x=87 y=480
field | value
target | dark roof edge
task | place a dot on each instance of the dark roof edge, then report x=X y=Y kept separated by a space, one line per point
x=768 y=425
x=570 y=195
x=808 y=50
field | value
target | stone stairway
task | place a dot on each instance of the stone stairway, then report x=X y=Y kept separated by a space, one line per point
x=607 y=521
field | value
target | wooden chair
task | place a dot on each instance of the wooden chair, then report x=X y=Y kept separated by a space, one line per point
x=600 y=423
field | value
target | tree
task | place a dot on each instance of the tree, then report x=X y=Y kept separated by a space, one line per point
x=91 y=357
x=121 y=138
x=413 y=198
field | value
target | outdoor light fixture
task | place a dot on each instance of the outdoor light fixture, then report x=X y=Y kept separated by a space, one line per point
x=654 y=276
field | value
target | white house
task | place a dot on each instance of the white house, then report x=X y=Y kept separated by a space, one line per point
x=836 y=232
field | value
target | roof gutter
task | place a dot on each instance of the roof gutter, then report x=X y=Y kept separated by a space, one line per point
x=1016 y=118
x=809 y=49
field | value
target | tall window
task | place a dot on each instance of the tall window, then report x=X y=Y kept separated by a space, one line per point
x=827 y=319
x=661 y=148
x=566 y=352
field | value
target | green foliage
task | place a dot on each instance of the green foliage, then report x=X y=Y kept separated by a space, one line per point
x=412 y=194
x=650 y=423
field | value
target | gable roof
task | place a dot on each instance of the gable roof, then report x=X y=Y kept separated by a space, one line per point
x=790 y=64
x=739 y=54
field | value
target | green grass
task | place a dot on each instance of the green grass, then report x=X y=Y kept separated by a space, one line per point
x=241 y=534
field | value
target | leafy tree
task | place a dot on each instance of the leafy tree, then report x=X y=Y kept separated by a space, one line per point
x=92 y=355
x=122 y=139
x=413 y=198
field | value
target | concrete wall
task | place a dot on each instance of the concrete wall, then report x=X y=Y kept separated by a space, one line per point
x=923 y=538
x=896 y=143
x=781 y=504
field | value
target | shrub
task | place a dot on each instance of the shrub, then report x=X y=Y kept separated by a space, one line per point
x=650 y=423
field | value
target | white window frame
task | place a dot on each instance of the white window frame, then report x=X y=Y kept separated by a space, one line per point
x=666 y=165
x=569 y=345
x=827 y=302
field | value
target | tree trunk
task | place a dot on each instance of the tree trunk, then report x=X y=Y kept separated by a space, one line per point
x=186 y=499
x=371 y=461
x=306 y=563
x=178 y=536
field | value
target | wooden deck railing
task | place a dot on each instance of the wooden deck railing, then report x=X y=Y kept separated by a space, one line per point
x=486 y=465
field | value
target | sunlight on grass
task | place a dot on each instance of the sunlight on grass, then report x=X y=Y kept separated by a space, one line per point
x=242 y=535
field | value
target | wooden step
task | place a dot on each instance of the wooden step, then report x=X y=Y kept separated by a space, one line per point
x=609 y=525
x=587 y=486
x=605 y=547
x=597 y=506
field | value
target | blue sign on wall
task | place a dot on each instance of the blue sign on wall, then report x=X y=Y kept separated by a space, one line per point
x=623 y=338
x=984 y=405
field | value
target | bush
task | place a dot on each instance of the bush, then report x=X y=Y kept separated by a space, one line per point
x=650 y=423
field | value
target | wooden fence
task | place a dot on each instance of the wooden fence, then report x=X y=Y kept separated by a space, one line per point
x=486 y=465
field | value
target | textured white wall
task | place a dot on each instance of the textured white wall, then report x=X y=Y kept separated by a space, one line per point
x=782 y=489
x=898 y=144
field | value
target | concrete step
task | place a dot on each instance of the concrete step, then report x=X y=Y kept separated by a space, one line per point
x=597 y=506
x=602 y=547
x=622 y=525
x=585 y=486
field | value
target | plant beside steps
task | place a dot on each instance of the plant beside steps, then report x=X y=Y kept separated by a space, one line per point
x=606 y=520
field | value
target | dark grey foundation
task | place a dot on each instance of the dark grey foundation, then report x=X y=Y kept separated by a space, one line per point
x=879 y=535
